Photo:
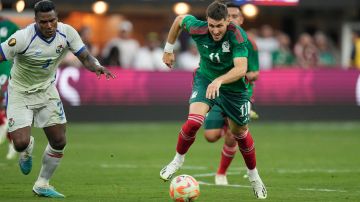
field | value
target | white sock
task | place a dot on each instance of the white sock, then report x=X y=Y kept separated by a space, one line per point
x=253 y=174
x=179 y=157
x=50 y=161
x=29 y=149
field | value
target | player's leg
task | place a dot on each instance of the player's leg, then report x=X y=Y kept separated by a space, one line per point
x=23 y=143
x=3 y=126
x=20 y=120
x=186 y=138
x=11 y=154
x=227 y=155
x=246 y=146
x=52 y=119
x=51 y=158
x=214 y=124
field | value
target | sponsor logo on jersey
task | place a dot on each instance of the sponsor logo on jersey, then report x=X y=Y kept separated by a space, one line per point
x=59 y=49
x=12 y=42
x=226 y=47
x=38 y=52
x=206 y=46
x=11 y=122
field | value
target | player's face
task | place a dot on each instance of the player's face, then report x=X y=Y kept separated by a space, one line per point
x=235 y=16
x=217 y=28
x=47 y=23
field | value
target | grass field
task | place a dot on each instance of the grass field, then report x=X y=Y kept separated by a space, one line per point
x=299 y=161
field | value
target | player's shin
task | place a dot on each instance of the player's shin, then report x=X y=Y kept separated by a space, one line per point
x=188 y=132
x=50 y=161
x=247 y=148
x=227 y=155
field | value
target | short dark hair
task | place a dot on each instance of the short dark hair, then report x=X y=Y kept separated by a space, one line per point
x=232 y=5
x=44 y=6
x=217 y=11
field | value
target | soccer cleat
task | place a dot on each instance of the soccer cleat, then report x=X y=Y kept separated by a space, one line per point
x=253 y=115
x=168 y=171
x=25 y=160
x=258 y=187
x=47 y=191
x=11 y=152
x=25 y=165
x=221 y=179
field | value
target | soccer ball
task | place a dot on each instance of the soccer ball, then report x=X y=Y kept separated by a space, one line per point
x=184 y=188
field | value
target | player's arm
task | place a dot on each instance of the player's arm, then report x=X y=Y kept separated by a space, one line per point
x=92 y=64
x=236 y=73
x=175 y=30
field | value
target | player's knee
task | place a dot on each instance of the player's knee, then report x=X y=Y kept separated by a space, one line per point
x=58 y=143
x=239 y=131
x=211 y=136
x=21 y=142
x=193 y=123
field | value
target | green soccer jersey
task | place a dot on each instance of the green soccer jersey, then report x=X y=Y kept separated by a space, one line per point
x=217 y=57
x=253 y=62
x=7 y=28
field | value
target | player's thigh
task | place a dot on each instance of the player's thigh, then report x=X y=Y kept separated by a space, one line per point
x=214 y=124
x=199 y=104
x=53 y=111
x=19 y=116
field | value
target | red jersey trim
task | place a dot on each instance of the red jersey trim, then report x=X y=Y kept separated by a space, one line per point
x=199 y=30
x=237 y=33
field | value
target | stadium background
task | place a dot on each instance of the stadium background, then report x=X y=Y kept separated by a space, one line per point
x=307 y=137
x=320 y=94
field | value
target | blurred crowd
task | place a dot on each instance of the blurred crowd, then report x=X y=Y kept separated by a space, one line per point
x=276 y=50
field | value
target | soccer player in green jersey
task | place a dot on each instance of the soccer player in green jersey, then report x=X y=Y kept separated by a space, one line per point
x=33 y=99
x=7 y=28
x=215 y=123
x=220 y=80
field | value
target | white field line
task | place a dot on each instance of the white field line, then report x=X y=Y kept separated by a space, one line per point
x=125 y=166
x=233 y=171
x=237 y=171
x=293 y=171
x=229 y=185
x=321 y=190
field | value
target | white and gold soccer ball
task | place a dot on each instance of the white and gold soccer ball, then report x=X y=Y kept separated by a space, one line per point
x=184 y=188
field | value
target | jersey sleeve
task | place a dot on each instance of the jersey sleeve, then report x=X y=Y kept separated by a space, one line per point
x=13 y=45
x=193 y=26
x=240 y=50
x=253 y=56
x=75 y=42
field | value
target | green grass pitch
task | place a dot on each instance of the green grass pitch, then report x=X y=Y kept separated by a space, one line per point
x=300 y=162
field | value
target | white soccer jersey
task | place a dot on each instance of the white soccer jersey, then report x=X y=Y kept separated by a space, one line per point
x=36 y=58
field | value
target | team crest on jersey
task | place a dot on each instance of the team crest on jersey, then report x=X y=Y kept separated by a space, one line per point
x=59 y=49
x=226 y=47
x=11 y=122
x=12 y=42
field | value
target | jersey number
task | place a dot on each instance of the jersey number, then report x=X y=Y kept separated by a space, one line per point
x=47 y=63
x=245 y=109
x=214 y=57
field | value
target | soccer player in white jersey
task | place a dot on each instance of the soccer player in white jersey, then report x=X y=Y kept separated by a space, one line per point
x=37 y=51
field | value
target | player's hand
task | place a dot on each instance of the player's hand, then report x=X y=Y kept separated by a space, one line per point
x=213 y=89
x=102 y=70
x=169 y=59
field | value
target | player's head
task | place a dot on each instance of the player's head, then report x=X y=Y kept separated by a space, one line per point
x=235 y=14
x=217 y=18
x=46 y=18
